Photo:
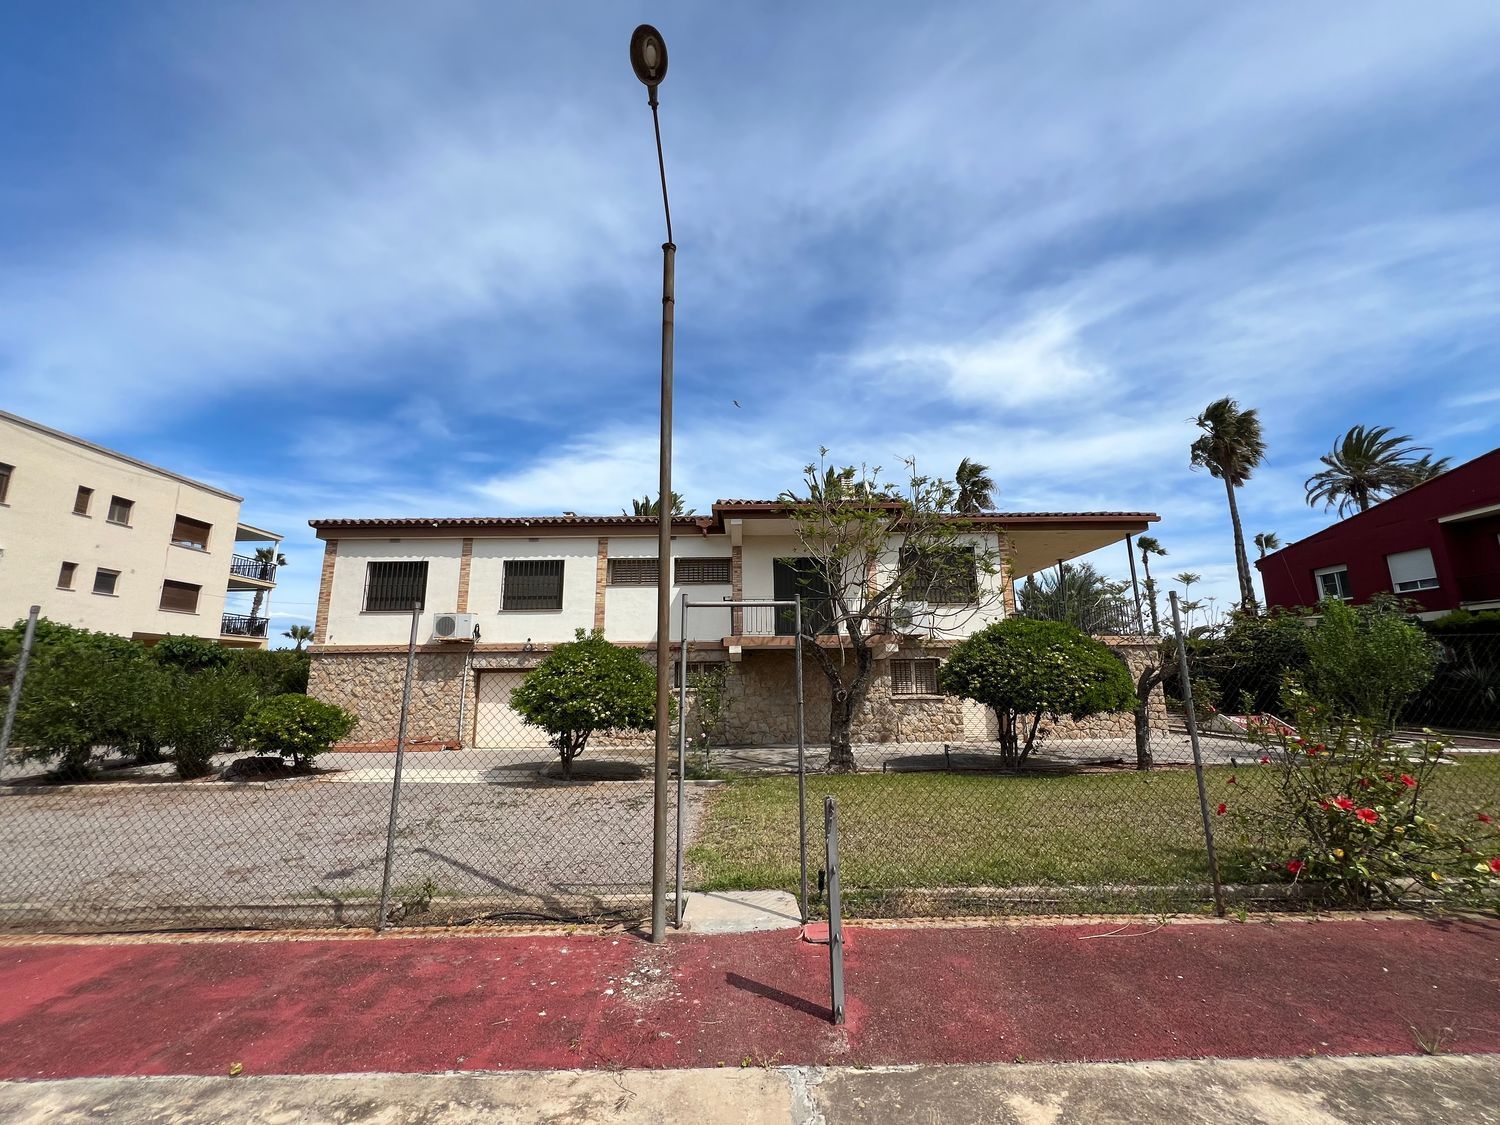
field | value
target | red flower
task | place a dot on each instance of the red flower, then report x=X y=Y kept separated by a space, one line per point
x=1223 y=808
x=1364 y=783
x=1233 y=780
x=1323 y=805
x=1264 y=760
x=1312 y=751
x=1343 y=803
x=1369 y=816
x=1495 y=865
x=1301 y=741
x=1484 y=818
x=1295 y=866
x=1389 y=776
x=1408 y=781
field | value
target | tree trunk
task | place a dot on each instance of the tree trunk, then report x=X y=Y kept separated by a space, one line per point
x=1151 y=595
x=260 y=596
x=1241 y=560
x=840 y=732
x=1005 y=723
x=1142 y=736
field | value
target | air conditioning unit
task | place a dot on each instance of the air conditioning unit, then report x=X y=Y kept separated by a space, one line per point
x=453 y=627
x=912 y=619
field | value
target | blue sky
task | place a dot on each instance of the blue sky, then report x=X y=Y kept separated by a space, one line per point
x=384 y=259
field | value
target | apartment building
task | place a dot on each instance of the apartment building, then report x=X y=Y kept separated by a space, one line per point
x=496 y=594
x=103 y=541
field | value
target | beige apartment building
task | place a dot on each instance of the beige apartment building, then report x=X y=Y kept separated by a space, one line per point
x=103 y=541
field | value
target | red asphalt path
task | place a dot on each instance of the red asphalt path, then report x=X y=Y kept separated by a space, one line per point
x=921 y=995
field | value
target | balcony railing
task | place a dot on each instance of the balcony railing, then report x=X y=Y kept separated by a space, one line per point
x=1101 y=619
x=246 y=566
x=243 y=625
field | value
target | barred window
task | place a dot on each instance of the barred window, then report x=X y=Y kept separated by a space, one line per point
x=942 y=574
x=395 y=586
x=179 y=597
x=914 y=677
x=703 y=572
x=632 y=572
x=533 y=584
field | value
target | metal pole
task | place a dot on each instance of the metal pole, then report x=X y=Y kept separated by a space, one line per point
x=801 y=765
x=1192 y=725
x=390 y=831
x=663 y=608
x=15 y=686
x=835 y=908
x=682 y=674
x=1135 y=587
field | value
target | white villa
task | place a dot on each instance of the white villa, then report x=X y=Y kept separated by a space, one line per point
x=498 y=593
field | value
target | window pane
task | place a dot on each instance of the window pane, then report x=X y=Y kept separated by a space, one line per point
x=533 y=584
x=391 y=586
x=105 y=581
x=703 y=572
x=179 y=596
x=632 y=572
x=191 y=533
x=65 y=575
x=81 y=501
x=1334 y=583
x=119 y=509
x=1412 y=570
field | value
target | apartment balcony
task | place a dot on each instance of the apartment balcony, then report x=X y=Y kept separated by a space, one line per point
x=246 y=572
x=243 y=625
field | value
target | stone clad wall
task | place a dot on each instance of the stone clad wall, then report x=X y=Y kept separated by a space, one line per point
x=368 y=685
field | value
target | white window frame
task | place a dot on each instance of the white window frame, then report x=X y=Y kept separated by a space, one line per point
x=1323 y=594
x=1428 y=581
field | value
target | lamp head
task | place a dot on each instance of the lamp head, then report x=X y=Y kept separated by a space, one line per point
x=648 y=57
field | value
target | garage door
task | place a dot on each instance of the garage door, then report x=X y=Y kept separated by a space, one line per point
x=496 y=724
x=979 y=723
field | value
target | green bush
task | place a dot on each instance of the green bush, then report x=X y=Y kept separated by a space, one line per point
x=278 y=671
x=584 y=686
x=204 y=717
x=190 y=654
x=1023 y=669
x=1346 y=816
x=1461 y=623
x=295 y=726
x=1366 y=662
x=1248 y=663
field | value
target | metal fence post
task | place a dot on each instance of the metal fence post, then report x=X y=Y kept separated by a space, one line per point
x=15 y=685
x=390 y=832
x=1192 y=726
x=682 y=677
x=801 y=767
x=835 y=907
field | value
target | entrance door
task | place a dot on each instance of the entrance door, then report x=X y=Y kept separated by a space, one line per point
x=790 y=577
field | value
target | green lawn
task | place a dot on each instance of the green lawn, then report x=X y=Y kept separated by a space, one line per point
x=901 y=831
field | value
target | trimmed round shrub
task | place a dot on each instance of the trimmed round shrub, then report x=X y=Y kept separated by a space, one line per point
x=296 y=727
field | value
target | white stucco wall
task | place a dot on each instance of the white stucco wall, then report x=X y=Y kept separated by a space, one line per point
x=630 y=611
x=39 y=532
x=580 y=559
x=348 y=621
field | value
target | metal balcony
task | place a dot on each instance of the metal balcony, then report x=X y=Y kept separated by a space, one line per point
x=243 y=625
x=247 y=566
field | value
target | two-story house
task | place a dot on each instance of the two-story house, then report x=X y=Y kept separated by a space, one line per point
x=1436 y=545
x=100 y=540
x=525 y=584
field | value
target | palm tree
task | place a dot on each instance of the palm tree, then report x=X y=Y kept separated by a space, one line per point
x=269 y=558
x=1366 y=466
x=1267 y=541
x=1079 y=595
x=1148 y=546
x=1187 y=578
x=646 y=506
x=975 y=487
x=299 y=633
x=1231 y=448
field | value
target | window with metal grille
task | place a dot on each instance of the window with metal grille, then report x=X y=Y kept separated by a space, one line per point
x=914 y=677
x=941 y=574
x=533 y=584
x=632 y=572
x=65 y=575
x=395 y=586
x=106 y=581
x=120 y=509
x=5 y=471
x=179 y=597
x=81 y=501
x=703 y=572
x=192 y=533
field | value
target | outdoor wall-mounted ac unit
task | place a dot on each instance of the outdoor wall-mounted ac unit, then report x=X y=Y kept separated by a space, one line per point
x=912 y=619
x=453 y=627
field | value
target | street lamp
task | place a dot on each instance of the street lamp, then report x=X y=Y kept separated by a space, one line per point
x=648 y=58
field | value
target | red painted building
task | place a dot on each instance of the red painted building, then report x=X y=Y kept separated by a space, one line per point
x=1437 y=544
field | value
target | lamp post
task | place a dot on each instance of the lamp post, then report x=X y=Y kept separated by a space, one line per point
x=648 y=58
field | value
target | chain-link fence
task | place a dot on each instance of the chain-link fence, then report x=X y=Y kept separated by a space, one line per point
x=1095 y=813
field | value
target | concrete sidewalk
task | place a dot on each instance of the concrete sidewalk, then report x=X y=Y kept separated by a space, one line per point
x=1360 y=1091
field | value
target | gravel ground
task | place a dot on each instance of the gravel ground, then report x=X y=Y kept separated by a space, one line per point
x=152 y=854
